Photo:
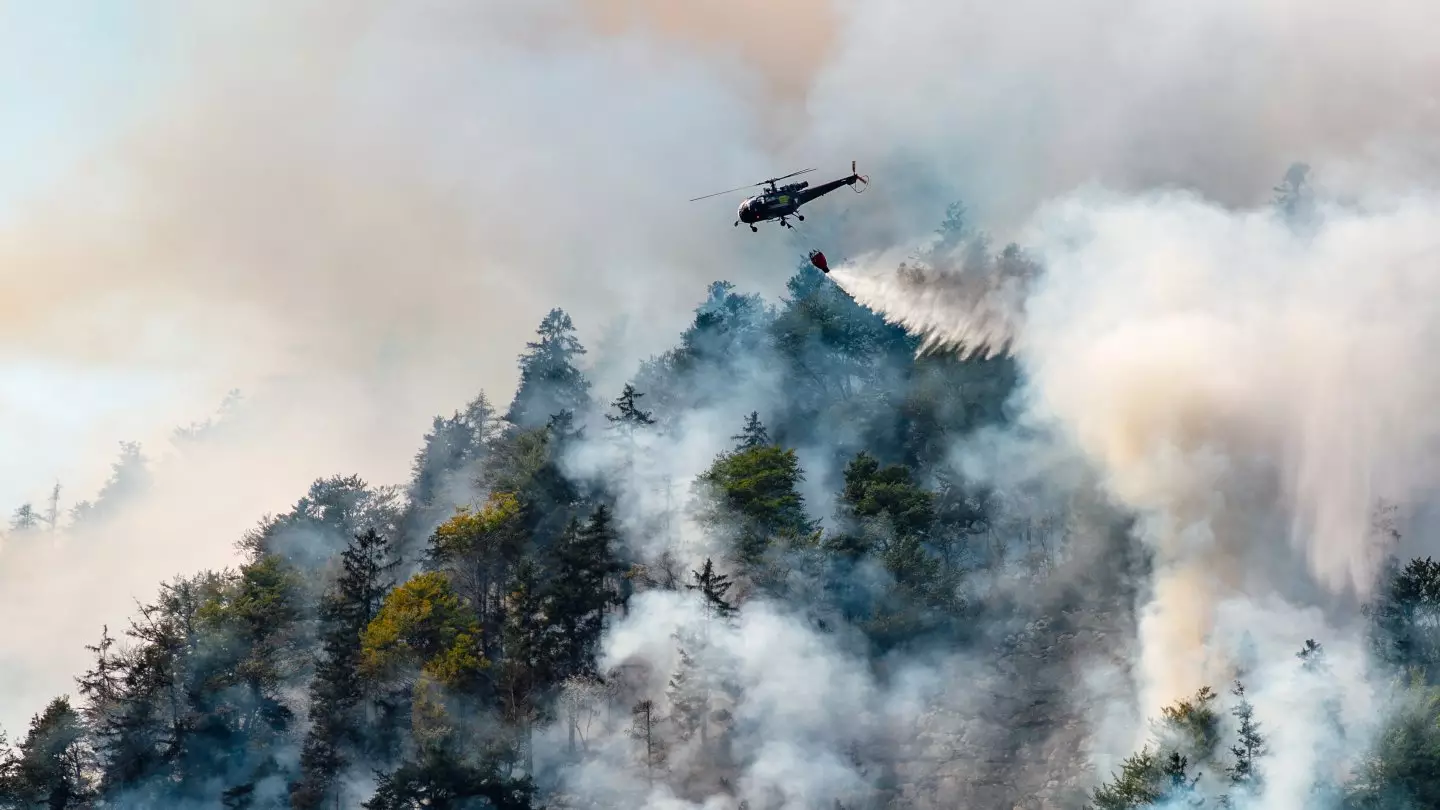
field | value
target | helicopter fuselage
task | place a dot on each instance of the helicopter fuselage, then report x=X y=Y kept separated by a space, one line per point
x=782 y=202
x=785 y=201
x=761 y=207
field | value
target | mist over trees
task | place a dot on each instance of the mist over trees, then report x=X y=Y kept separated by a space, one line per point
x=561 y=609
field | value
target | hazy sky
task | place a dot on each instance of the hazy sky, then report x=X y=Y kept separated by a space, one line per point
x=72 y=77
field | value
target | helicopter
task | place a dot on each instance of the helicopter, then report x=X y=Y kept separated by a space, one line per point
x=782 y=202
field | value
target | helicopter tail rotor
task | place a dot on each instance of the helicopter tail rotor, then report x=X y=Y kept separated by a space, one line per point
x=864 y=179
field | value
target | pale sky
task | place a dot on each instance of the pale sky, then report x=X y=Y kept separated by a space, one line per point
x=73 y=75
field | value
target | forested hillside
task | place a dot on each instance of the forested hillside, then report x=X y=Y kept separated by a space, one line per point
x=761 y=574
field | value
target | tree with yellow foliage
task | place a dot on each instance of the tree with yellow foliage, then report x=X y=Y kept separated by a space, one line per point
x=478 y=550
x=423 y=626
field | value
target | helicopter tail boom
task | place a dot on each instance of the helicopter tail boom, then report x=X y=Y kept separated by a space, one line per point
x=825 y=188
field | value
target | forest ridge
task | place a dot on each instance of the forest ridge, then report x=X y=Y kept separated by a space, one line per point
x=544 y=617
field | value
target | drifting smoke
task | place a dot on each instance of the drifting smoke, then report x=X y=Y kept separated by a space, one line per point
x=1251 y=389
x=360 y=211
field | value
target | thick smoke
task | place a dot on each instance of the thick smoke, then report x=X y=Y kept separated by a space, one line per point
x=1251 y=388
x=355 y=213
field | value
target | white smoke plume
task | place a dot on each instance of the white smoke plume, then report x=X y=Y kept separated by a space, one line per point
x=1249 y=388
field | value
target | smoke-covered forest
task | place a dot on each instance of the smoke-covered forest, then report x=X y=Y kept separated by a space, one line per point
x=773 y=570
x=1112 y=485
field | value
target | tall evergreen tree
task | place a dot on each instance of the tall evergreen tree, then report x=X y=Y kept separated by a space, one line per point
x=52 y=766
x=25 y=519
x=129 y=476
x=52 y=511
x=753 y=434
x=528 y=667
x=337 y=736
x=1312 y=656
x=727 y=326
x=550 y=381
x=628 y=416
x=644 y=729
x=445 y=468
x=753 y=497
x=1250 y=746
x=1294 y=200
x=580 y=589
x=1406 y=617
x=712 y=586
x=627 y=421
x=443 y=779
x=688 y=696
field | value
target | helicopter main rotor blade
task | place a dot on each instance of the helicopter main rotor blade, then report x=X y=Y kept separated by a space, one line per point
x=731 y=191
x=792 y=174
x=752 y=185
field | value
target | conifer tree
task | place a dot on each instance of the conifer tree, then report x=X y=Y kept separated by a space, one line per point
x=628 y=416
x=580 y=589
x=337 y=734
x=753 y=495
x=753 y=434
x=644 y=728
x=129 y=476
x=1294 y=199
x=550 y=382
x=727 y=326
x=52 y=512
x=628 y=420
x=1312 y=656
x=688 y=697
x=1250 y=746
x=51 y=768
x=527 y=670
x=454 y=445
x=25 y=519
x=712 y=586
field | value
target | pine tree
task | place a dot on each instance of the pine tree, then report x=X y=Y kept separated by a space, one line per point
x=52 y=765
x=1293 y=197
x=129 y=476
x=753 y=434
x=1177 y=781
x=727 y=326
x=527 y=670
x=52 y=513
x=450 y=452
x=581 y=588
x=629 y=417
x=337 y=734
x=1332 y=744
x=644 y=729
x=443 y=779
x=550 y=382
x=1136 y=785
x=1251 y=745
x=25 y=519
x=753 y=496
x=628 y=420
x=712 y=587
x=1312 y=656
x=688 y=698
x=699 y=684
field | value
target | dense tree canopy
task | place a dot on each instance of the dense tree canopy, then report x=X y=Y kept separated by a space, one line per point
x=448 y=643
